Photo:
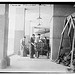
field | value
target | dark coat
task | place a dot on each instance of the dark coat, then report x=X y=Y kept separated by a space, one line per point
x=32 y=46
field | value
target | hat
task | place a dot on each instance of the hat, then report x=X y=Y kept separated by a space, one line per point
x=33 y=34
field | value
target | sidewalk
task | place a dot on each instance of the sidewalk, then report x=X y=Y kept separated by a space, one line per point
x=25 y=64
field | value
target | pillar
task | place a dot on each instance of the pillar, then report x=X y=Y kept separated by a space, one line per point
x=4 y=59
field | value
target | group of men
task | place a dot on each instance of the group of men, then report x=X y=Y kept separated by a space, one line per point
x=32 y=43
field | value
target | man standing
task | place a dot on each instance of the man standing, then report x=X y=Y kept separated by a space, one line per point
x=23 y=47
x=32 y=42
x=47 y=46
x=38 y=46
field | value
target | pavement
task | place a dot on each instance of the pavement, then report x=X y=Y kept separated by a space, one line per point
x=27 y=64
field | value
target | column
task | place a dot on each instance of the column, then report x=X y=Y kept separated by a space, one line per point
x=4 y=21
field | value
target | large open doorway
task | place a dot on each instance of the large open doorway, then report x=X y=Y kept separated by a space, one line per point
x=24 y=19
